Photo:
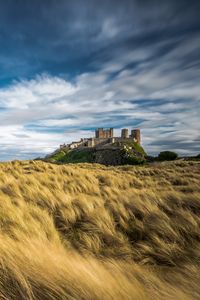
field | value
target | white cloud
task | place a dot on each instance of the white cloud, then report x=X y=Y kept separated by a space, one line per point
x=39 y=114
x=41 y=90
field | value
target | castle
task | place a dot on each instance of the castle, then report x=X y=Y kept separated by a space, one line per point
x=105 y=137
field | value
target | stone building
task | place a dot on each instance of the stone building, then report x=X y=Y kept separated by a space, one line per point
x=100 y=133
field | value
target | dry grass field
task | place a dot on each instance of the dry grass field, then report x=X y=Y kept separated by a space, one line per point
x=87 y=231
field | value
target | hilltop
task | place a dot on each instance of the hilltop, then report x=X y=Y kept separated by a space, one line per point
x=87 y=231
x=118 y=153
x=104 y=149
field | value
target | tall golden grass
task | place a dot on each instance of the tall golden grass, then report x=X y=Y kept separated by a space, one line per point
x=93 y=232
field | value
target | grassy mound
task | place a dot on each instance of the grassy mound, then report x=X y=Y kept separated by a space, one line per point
x=73 y=156
x=87 y=231
x=126 y=153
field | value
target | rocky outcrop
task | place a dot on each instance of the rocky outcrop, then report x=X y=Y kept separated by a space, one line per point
x=108 y=156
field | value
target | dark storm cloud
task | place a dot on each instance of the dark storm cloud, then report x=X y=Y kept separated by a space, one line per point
x=74 y=36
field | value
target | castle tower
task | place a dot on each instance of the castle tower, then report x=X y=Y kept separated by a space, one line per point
x=99 y=133
x=135 y=134
x=124 y=133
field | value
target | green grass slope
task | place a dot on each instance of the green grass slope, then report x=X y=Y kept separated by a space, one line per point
x=72 y=156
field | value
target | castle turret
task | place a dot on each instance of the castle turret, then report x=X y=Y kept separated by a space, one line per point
x=124 y=133
x=135 y=134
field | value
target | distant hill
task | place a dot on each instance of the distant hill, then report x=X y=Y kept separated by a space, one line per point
x=118 y=153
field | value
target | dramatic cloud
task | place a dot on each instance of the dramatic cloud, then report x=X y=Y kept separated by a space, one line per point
x=76 y=67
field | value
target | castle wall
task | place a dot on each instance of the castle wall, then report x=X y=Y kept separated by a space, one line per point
x=121 y=139
x=101 y=141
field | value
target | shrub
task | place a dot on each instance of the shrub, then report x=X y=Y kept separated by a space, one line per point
x=167 y=155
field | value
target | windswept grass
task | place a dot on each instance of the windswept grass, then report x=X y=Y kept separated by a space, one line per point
x=88 y=231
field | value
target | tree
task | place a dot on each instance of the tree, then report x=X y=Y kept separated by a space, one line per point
x=167 y=155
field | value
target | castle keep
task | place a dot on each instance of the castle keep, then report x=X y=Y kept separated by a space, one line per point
x=103 y=134
x=105 y=138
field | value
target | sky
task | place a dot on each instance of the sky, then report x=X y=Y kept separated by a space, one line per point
x=69 y=66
